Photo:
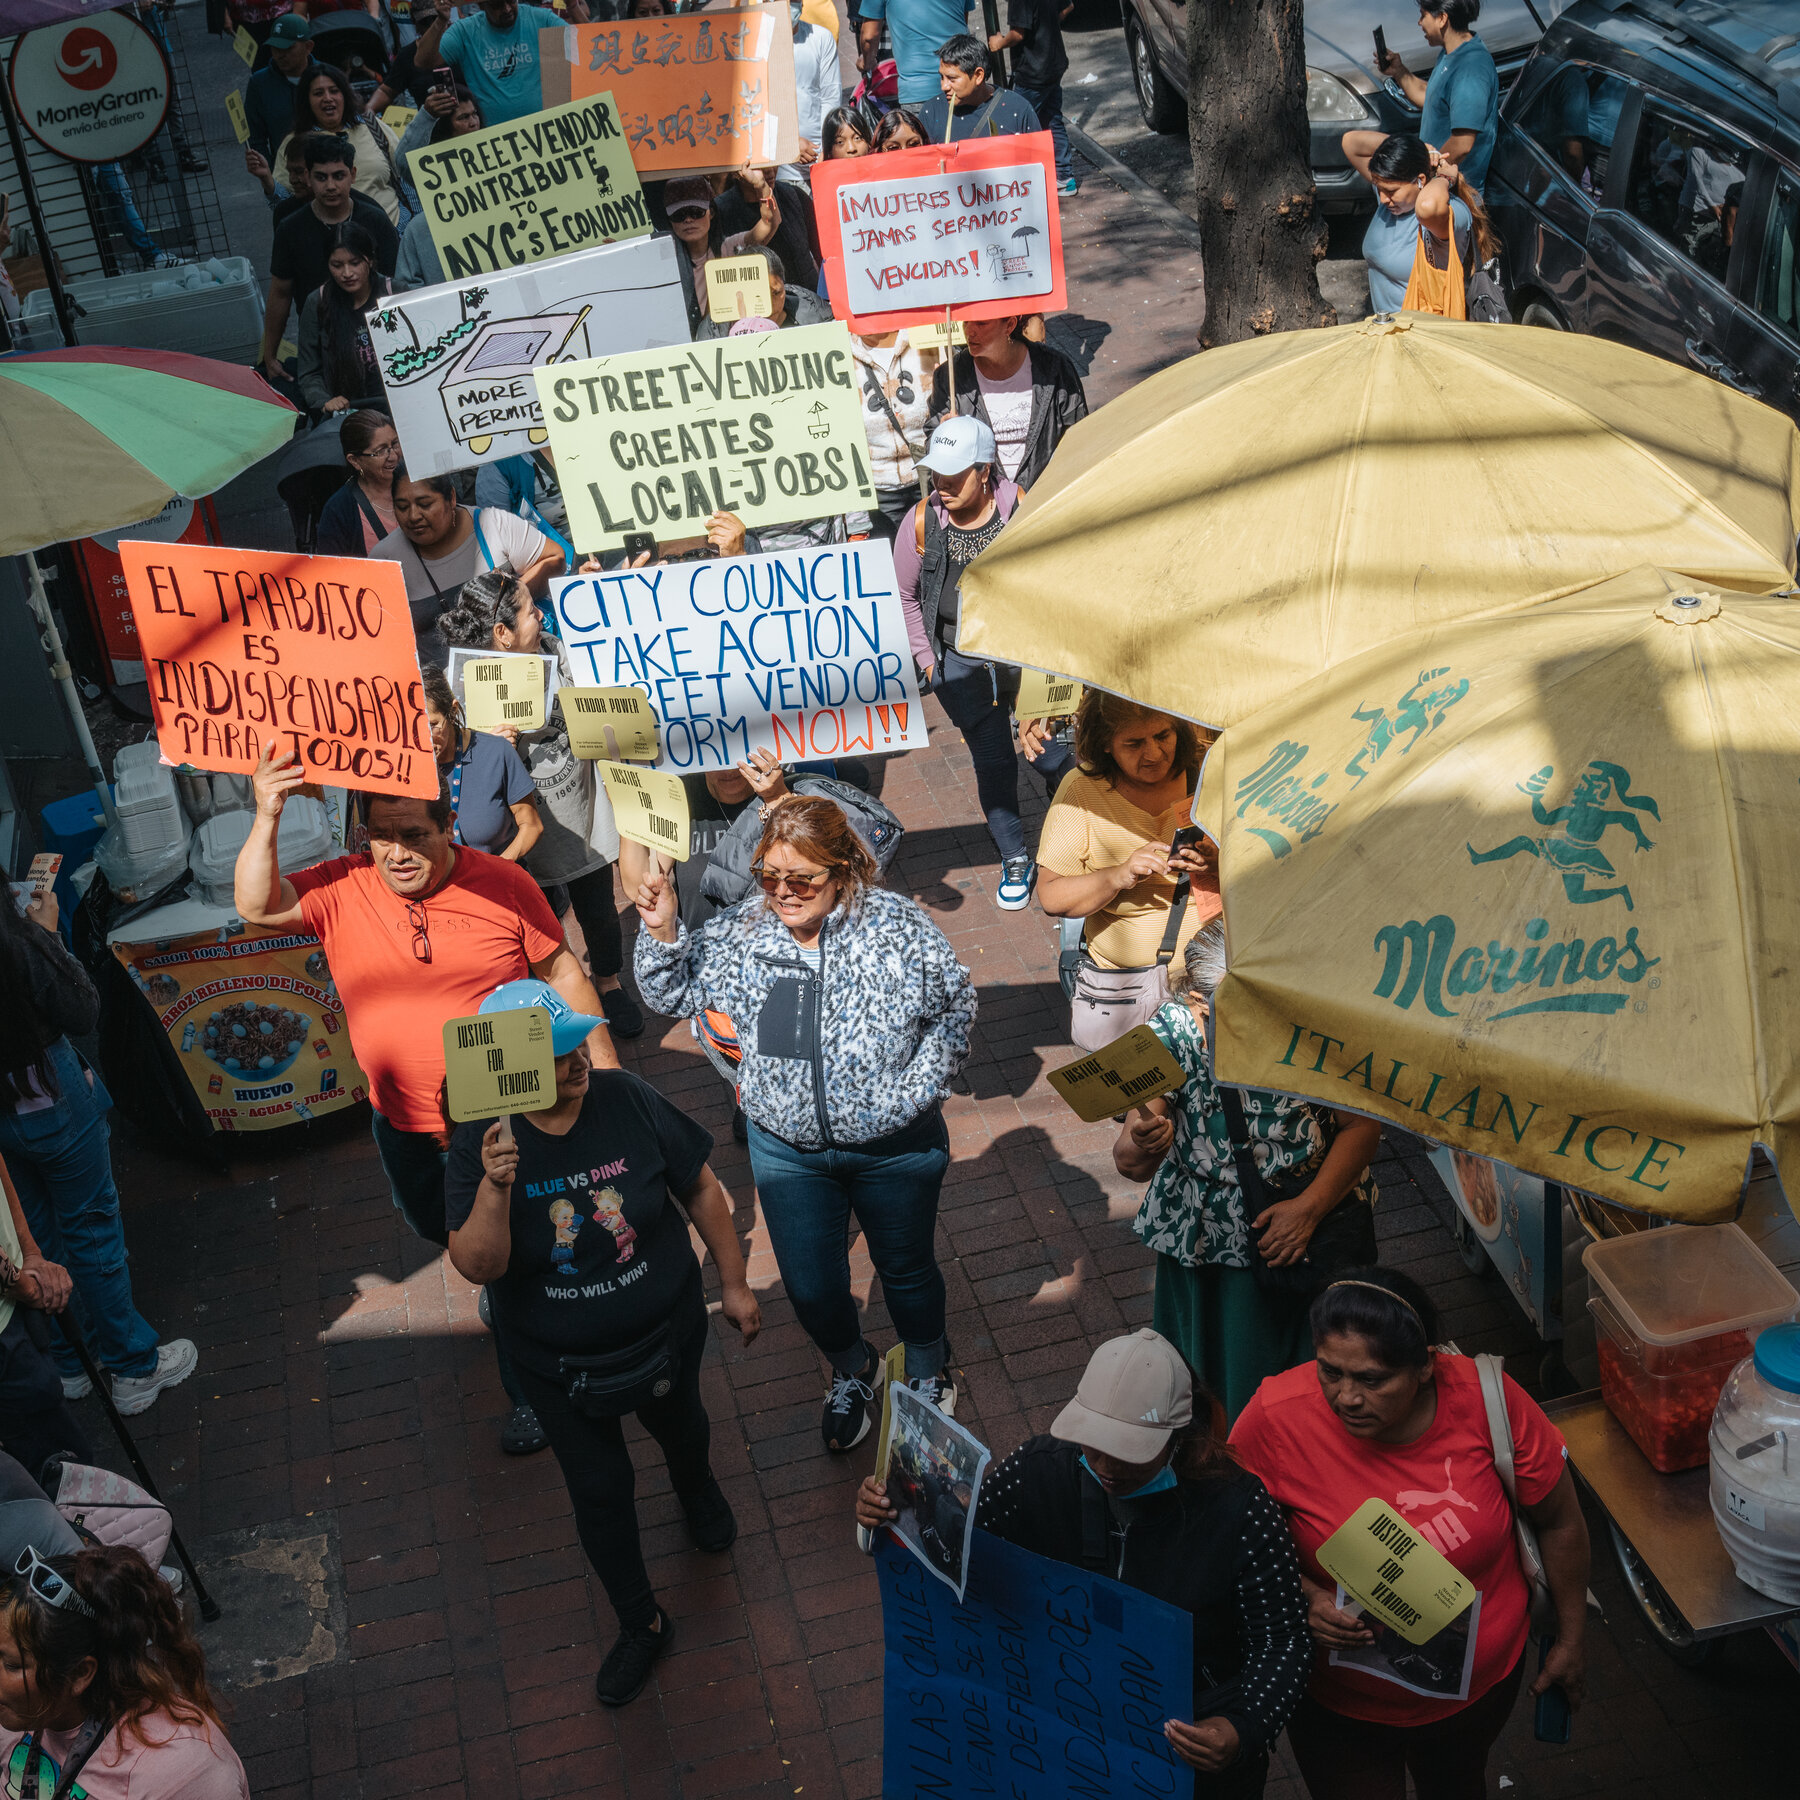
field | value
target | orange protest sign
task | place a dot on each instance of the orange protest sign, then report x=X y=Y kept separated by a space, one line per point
x=314 y=654
x=695 y=94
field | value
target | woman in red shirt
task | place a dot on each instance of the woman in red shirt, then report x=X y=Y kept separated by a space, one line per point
x=1381 y=1414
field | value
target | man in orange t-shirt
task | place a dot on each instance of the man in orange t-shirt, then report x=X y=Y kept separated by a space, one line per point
x=419 y=931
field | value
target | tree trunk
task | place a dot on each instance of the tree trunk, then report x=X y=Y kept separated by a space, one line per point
x=1261 y=240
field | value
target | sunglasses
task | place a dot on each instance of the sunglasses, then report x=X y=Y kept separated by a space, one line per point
x=50 y=1587
x=415 y=917
x=685 y=214
x=801 y=887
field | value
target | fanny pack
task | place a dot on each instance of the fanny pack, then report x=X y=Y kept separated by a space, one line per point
x=621 y=1381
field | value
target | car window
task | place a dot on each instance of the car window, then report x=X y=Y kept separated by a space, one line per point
x=1686 y=181
x=1778 y=281
x=1574 y=119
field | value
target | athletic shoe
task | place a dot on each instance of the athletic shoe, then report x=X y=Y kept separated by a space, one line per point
x=174 y=1576
x=939 y=1389
x=711 y=1522
x=1018 y=876
x=851 y=1406
x=629 y=1662
x=623 y=1019
x=175 y=1361
x=1071 y=186
x=522 y=1435
x=76 y=1387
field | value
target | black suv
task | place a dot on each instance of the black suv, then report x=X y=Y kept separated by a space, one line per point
x=1647 y=183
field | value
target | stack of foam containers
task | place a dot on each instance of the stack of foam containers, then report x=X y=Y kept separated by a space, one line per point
x=149 y=847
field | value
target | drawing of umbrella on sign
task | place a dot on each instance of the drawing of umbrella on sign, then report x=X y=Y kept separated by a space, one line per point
x=1020 y=263
x=818 y=425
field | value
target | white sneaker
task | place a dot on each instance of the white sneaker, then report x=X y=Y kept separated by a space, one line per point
x=175 y=1361
x=76 y=1387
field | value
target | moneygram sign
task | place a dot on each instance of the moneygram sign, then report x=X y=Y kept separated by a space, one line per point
x=91 y=90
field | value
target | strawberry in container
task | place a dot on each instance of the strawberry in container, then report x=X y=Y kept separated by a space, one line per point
x=1677 y=1308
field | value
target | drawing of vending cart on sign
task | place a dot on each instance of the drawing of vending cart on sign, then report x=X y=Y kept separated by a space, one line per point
x=1016 y=261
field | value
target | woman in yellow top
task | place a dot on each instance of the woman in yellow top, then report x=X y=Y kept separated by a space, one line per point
x=1109 y=854
x=325 y=101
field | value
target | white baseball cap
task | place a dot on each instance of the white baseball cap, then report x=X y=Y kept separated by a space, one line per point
x=1135 y=1394
x=959 y=444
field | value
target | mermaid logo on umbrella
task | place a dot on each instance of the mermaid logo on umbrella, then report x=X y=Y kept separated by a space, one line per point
x=1576 y=830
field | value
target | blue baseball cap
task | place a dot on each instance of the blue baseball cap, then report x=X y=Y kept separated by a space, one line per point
x=569 y=1029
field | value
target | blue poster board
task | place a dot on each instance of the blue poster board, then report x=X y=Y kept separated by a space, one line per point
x=1043 y=1681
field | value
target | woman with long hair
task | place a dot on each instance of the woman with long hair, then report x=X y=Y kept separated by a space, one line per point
x=103 y=1685
x=845 y=134
x=337 y=368
x=901 y=129
x=361 y=513
x=325 y=101
x=1427 y=221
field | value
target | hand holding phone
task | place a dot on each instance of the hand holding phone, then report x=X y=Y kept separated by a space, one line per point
x=1381 y=49
x=1553 y=1721
x=639 y=543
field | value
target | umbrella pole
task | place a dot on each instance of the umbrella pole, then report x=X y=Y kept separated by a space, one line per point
x=65 y=313
x=59 y=667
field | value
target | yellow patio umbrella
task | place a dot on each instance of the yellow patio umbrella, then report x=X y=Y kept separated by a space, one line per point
x=1246 y=519
x=1529 y=886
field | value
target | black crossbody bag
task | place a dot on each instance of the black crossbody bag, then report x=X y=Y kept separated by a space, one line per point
x=621 y=1381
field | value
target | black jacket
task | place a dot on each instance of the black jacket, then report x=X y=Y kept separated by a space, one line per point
x=1218 y=1549
x=1057 y=402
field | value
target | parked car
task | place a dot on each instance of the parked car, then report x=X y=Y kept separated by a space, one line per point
x=1646 y=179
x=1343 y=92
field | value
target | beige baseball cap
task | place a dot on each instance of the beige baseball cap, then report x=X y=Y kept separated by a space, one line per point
x=1135 y=1393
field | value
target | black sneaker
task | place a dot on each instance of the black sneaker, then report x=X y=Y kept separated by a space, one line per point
x=623 y=1018
x=851 y=1406
x=629 y=1662
x=711 y=1522
x=938 y=1389
x=522 y=1435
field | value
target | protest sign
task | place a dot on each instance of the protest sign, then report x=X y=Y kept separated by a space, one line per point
x=648 y=808
x=1042 y=1680
x=530 y=189
x=314 y=654
x=932 y=1469
x=695 y=94
x=456 y=359
x=1404 y=1581
x=737 y=287
x=1128 y=1071
x=397 y=118
x=500 y=1062
x=802 y=652
x=972 y=226
x=254 y=1020
x=501 y=690
x=768 y=427
x=1044 y=696
x=234 y=111
x=246 y=46
x=936 y=336
x=592 y=716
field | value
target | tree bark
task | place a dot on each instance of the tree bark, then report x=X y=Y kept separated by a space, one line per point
x=1261 y=240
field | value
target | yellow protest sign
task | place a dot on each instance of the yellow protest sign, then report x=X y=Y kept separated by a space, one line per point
x=234 y=110
x=590 y=714
x=530 y=189
x=504 y=690
x=935 y=336
x=1044 y=696
x=1125 y=1073
x=502 y=1062
x=1402 y=1581
x=649 y=808
x=245 y=45
x=768 y=427
x=737 y=287
x=397 y=118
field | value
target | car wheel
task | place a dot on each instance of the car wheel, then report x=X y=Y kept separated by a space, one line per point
x=1163 y=109
x=1537 y=313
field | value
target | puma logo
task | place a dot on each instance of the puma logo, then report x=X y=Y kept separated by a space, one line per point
x=1415 y=1499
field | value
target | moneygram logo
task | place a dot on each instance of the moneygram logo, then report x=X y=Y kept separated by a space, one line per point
x=86 y=59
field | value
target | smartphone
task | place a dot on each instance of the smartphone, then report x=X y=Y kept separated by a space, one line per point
x=1187 y=838
x=639 y=543
x=443 y=81
x=1554 y=1722
x=1381 y=49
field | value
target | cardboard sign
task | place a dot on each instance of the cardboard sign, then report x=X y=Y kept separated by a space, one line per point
x=314 y=654
x=397 y=118
x=504 y=690
x=1044 y=696
x=936 y=336
x=768 y=427
x=971 y=226
x=613 y=724
x=1119 y=1075
x=695 y=94
x=801 y=652
x=246 y=46
x=648 y=808
x=1402 y=1580
x=497 y=1063
x=737 y=287
x=234 y=111
x=456 y=360
x=530 y=189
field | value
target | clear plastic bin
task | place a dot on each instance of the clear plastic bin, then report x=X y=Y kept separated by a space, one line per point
x=1756 y=1466
x=1678 y=1309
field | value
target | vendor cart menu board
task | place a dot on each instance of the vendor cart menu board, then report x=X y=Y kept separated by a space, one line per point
x=254 y=1020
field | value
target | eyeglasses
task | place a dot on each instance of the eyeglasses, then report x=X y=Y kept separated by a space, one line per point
x=50 y=1587
x=381 y=453
x=687 y=214
x=801 y=887
x=415 y=917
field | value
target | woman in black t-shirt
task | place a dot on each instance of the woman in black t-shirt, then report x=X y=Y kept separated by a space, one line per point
x=597 y=1300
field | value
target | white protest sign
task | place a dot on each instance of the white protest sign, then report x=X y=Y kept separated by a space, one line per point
x=802 y=652
x=457 y=359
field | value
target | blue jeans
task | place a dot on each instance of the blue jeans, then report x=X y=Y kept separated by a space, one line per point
x=1047 y=104
x=62 y=1167
x=891 y=1184
x=120 y=204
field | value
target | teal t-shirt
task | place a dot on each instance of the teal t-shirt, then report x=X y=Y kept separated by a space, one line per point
x=1463 y=94
x=500 y=68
